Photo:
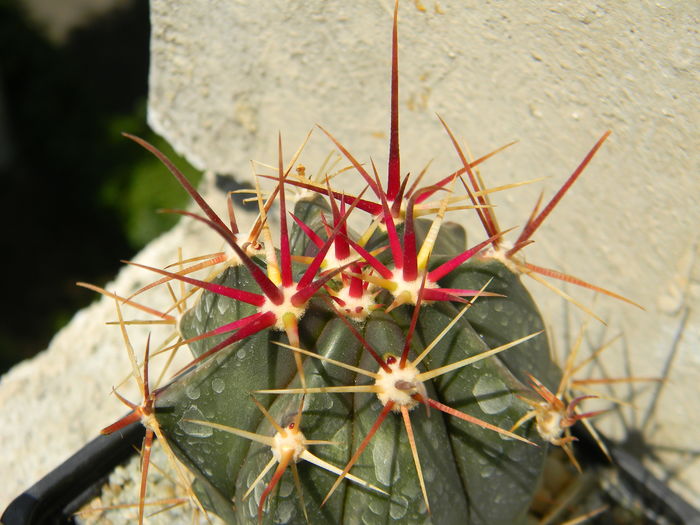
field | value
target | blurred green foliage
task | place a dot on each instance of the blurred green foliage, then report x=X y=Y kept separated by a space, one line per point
x=136 y=194
x=78 y=196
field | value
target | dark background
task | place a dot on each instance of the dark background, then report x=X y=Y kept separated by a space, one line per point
x=77 y=196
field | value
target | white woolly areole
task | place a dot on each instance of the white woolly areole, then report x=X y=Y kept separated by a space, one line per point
x=549 y=423
x=399 y=385
x=410 y=287
x=294 y=441
x=232 y=258
x=397 y=220
x=331 y=262
x=285 y=308
x=256 y=249
x=357 y=308
x=296 y=194
x=512 y=263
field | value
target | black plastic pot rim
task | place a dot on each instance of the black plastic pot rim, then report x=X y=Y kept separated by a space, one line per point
x=59 y=495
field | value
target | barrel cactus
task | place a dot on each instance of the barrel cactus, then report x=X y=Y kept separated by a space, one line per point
x=342 y=377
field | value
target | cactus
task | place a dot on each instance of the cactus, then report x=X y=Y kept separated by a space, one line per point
x=392 y=362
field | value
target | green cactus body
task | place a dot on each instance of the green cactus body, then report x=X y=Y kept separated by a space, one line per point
x=515 y=315
x=465 y=467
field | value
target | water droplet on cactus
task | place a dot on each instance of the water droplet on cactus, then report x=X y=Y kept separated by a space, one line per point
x=193 y=429
x=252 y=505
x=487 y=471
x=480 y=315
x=398 y=508
x=223 y=306
x=218 y=385
x=286 y=488
x=382 y=455
x=494 y=450
x=491 y=394
x=368 y=517
x=327 y=402
x=284 y=511
x=193 y=392
x=251 y=478
x=241 y=353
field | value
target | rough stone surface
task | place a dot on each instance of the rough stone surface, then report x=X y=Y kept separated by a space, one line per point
x=227 y=76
